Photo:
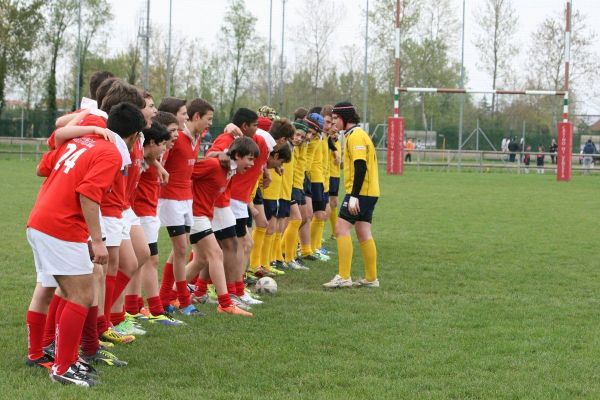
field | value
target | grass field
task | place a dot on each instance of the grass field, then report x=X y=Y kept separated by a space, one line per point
x=490 y=288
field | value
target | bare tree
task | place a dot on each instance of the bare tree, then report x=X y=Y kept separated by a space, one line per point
x=497 y=21
x=548 y=44
x=61 y=15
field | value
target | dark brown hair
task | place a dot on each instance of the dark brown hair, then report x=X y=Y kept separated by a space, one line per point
x=96 y=80
x=103 y=89
x=119 y=92
x=171 y=105
x=282 y=128
x=165 y=118
x=198 y=106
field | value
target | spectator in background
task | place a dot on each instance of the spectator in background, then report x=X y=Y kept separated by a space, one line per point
x=553 y=148
x=513 y=148
x=588 y=156
x=410 y=146
x=540 y=159
x=504 y=146
x=526 y=159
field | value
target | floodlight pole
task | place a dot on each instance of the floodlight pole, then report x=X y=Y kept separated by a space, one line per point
x=462 y=85
x=282 y=66
x=168 y=89
x=270 y=84
x=397 y=66
x=366 y=76
x=147 y=48
x=78 y=84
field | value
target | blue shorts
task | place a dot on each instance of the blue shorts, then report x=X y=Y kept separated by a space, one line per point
x=258 y=197
x=283 y=210
x=306 y=188
x=334 y=186
x=367 y=206
x=318 y=197
x=298 y=197
x=270 y=208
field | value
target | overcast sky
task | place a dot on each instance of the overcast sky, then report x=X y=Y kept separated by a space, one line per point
x=203 y=18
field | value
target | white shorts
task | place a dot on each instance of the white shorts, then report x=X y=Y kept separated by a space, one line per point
x=175 y=212
x=130 y=218
x=239 y=208
x=201 y=224
x=151 y=226
x=115 y=231
x=53 y=256
x=222 y=218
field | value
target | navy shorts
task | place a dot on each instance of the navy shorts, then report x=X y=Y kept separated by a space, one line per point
x=258 y=197
x=240 y=227
x=326 y=198
x=249 y=220
x=270 y=208
x=367 y=206
x=283 y=210
x=318 y=197
x=334 y=186
x=298 y=197
x=306 y=187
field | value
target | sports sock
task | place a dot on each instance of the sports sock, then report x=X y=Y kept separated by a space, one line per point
x=265 y=253
x=183 y=294
x=166 y=285
x=369 y=255
x=316 y=233
x=305 y=250
x=239 y=288
x=224 y=300
x=276 y=247
x=117 y=317
x=101 y=324
x=69 y=331
x=131 y=304
x=201 y=287
x=89 y=335
x=290 y=239
x=50 y=327
x=344 y=244
x=333 y=219
x=258 y=237
x=120 y=285
x=35 y=333
x=231 y=288
x=155 y=305
x=111 y=280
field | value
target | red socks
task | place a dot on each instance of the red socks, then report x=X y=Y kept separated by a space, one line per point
x=117 y=318
x=201 y=287
x=155 y=305
x=111 y=280
x=239 y=288
x=167 y=284
x=35 y=331
x=132 y=305
x=225 y=300
x=120 y=285
x=50 y=328
x=232 y=287
x=101 y=324
x=183 y=294
x=89 y=336
x=69 y=330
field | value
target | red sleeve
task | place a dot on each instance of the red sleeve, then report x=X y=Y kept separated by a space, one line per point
x=221 y=143
x=51 y=142
x=93 y=120
x=100 y=176
x=46 y=164
x=165 y=157
x=205 y=167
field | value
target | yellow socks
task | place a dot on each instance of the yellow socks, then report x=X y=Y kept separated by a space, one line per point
x=290 y=239
x=333 y=219
x=258 y=237
x=369 y=255
x=316 y=233
x=276 y=247
x=344 y=244
x=265 y=254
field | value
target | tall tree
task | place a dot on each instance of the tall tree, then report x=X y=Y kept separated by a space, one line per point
x=317 y=24
x=16 y=39
x=95 y=15
x=548 y=44
x=243 y=48
x=497 y=21
x=61 y=14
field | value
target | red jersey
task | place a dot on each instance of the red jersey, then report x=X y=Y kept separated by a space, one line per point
x=82 y=166
x=222 y=143
x=179 y=164
x=208 y=180
x=242 y=185
x=146 y=194
x=88 y=120
x=133 y=173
